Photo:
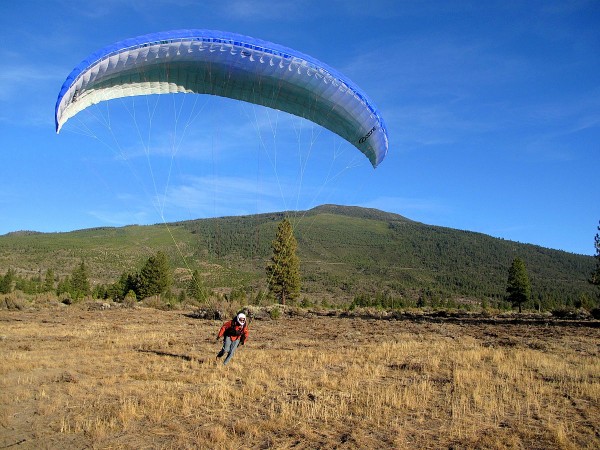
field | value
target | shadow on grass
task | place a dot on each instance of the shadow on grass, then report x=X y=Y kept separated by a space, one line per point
x=172 y=355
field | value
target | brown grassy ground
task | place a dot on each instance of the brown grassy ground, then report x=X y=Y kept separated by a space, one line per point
x=73 y=378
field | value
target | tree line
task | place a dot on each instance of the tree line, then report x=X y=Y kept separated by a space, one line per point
x=155 y=278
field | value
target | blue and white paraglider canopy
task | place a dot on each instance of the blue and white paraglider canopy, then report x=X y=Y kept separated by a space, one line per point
x=228 y=65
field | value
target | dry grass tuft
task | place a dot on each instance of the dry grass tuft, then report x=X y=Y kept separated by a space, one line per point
x=148 y=379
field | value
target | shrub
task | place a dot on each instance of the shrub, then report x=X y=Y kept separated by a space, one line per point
x=260 y=299
x=130 y=299
x=238 y=295
x=155 y=302
x=305 y=303
x=275 y=313
x=223 y=309
x=12 y=302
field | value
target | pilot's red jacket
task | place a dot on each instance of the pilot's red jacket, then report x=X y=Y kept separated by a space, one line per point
x=235 y=331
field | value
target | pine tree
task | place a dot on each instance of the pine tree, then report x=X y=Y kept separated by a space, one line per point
x=48 y=285
x=283 y=272
x=155 y=277
x=6 y=282
x=196 y=288
x=80 y=283
x=63 y=286
x=119 y=288
x=518 y=286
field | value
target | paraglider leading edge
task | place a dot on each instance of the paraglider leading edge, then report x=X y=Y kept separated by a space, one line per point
x=287 y=80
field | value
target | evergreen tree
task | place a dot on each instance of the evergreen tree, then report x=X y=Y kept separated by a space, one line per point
x=196 y=288
x=100 y=291
x=283 y=272
x=80 y=283
x=155 y=277
x=120 y=288
x=6 y=282
x=27 y=285
x=63 y=287
x=518 y=287
x=595 y=278
x=48 y=281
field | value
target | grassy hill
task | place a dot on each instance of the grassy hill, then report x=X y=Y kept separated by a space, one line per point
x=345 y=252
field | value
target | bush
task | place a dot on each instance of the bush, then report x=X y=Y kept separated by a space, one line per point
x=130 y=299
x=225 y=309
x=570 y=313
x=260 y=298
x=275 y=313
x=238 y=295
x=12 y=302
x=156 y=302
x=305 y=303
x=562 y=313
x=208 y=312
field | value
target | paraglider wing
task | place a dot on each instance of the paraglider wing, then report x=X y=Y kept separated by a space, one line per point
x=227 y=65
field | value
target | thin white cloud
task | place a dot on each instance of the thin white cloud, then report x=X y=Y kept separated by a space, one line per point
x=226 y=131
x=551 y=125
x=566 y=115
x=202 y=196
x=122 y=218
x=19 y=79
x=434 y=66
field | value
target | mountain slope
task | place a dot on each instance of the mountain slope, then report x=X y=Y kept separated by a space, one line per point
x=345 y=251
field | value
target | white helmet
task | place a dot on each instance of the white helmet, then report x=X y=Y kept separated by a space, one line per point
x=241 y=318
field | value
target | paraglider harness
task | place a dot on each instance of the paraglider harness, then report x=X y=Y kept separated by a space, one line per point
x=233 y=329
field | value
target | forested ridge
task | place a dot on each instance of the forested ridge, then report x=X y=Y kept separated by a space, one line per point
x=345 y=253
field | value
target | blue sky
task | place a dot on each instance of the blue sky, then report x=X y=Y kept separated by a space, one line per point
x=492 y=108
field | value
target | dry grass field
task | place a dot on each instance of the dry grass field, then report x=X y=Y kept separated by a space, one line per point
x=143 y=378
